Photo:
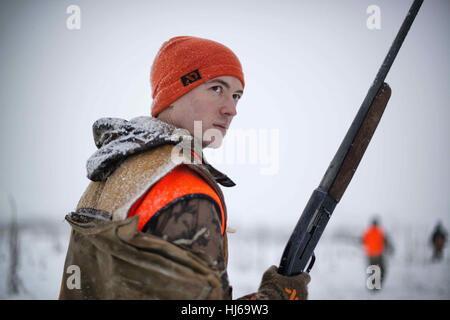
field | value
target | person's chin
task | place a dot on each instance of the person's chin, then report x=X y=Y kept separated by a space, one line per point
x=213 y=144
x=213 y=138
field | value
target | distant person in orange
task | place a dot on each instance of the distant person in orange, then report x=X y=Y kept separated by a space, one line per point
x=375 y=245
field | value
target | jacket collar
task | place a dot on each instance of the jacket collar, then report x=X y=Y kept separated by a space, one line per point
x=117 y=139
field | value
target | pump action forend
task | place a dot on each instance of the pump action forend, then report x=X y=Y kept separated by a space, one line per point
x=318 y=210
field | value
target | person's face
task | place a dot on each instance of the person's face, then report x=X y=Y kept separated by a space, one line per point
x=213 y=103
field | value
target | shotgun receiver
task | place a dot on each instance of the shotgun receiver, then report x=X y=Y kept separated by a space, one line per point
x=318 y=210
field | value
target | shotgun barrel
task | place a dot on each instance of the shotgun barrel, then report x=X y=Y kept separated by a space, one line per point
x=300 y=248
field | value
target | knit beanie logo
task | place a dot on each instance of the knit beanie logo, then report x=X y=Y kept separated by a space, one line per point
x=190 y=77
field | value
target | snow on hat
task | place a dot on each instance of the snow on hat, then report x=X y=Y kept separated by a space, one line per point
x=185 y=62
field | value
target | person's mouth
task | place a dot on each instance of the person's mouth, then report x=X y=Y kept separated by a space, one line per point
x=222 y=127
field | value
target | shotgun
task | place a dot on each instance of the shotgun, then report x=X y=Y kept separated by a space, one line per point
x=300 y=248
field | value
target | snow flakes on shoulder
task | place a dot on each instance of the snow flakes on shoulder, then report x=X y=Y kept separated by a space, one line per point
x=116 y=139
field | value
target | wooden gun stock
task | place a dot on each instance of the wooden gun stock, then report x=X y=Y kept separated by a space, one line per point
x=360 y=143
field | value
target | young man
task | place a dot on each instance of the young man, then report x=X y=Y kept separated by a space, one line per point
x=152 y=223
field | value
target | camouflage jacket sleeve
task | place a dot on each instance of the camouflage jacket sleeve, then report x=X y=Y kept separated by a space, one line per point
x=193 y=222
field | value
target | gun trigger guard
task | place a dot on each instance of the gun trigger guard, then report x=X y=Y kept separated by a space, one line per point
x=311 y=263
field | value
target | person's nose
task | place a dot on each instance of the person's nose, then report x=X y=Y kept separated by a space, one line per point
x=229 y=107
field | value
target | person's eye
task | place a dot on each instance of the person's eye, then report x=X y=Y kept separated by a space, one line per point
x=217 y=89
x=236 y=96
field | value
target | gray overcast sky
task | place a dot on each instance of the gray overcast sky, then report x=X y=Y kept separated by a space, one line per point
x=307 y=64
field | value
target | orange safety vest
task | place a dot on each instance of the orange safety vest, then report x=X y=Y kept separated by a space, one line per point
x=374 y=241
x=179 y=182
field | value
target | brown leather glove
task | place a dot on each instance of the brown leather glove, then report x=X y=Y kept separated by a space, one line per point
x=278 y=287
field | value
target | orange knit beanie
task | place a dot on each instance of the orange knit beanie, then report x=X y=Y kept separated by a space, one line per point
x=185 y=62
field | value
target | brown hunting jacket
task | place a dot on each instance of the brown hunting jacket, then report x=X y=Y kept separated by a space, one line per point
x=181 y=255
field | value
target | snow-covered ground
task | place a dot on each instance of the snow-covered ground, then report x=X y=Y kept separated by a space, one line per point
x=42 y=250
x=340 y=268
x=339 y=271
